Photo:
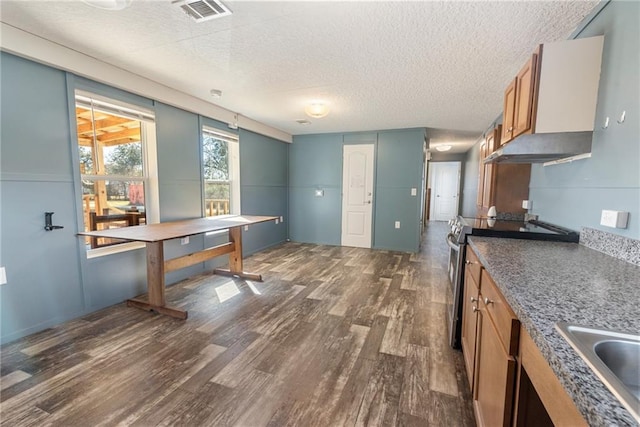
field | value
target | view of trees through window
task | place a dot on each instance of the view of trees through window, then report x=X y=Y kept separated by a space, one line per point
x=217 y=180
x=112 y=170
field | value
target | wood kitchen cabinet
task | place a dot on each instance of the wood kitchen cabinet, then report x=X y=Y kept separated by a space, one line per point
x=519 y=101
x=504 y=186
x=495 y=364
x=555 y=91
x=470 y=312
x=540 y=399
x=511 y=382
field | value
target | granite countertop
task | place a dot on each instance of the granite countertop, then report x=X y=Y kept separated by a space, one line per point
x=548 y=282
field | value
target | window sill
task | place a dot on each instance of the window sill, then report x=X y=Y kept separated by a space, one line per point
x=115 y=249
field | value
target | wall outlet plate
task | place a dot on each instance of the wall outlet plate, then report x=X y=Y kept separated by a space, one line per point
x=319 y=193
x=277 y=221
x=527 y=204
x=397 y=225
x=3 y=276
x=614 y=219
x=414 y=191
x=246 y=228
x=184 y=240
x=281 y=219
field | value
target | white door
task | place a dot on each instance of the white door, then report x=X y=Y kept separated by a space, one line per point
x=357 y=195
x=445 y=181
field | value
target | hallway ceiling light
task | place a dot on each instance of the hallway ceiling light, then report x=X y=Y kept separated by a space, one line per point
x=316 y=110
x=109 y=4
x=443 y=147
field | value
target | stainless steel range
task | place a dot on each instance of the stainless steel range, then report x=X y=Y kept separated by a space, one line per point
x=462 y=227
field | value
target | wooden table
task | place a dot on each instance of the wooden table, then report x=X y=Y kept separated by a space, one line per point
x=154 y=236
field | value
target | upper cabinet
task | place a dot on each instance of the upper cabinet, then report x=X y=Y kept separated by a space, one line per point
x=555 y=91
x=519 y=102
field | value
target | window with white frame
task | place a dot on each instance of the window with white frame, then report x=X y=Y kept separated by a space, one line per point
x=221 y=172
x=117 y=156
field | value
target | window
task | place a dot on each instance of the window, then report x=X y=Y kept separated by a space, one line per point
x=220 y=165
x=116 y=150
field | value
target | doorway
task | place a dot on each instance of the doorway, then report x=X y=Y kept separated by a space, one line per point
x=357 y=195
x=445 y=182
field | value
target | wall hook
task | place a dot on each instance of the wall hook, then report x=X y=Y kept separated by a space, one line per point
x=622 y=117
x=606 y=123
x=48 y=222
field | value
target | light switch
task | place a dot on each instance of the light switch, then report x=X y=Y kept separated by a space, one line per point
x=397 y=224
x=281 y=219
x=414 y=191
x=319 y=192
x=3 y=276
x=527 y=204
x=277 y=221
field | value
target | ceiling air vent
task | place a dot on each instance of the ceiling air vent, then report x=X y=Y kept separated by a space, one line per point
x=203 y=10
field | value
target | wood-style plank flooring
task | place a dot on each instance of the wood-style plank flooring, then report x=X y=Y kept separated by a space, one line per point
x=333 y=336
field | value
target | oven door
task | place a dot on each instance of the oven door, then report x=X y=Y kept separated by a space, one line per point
x=454 y=254
x=454 y=306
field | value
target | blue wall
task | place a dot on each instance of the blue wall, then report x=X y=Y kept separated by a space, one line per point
x=263 y=188
x=574 y=194
x=315 y=162
x=50 y=280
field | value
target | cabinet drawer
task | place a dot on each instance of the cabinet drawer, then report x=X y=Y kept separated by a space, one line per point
x=497 y=308
x=473 y=264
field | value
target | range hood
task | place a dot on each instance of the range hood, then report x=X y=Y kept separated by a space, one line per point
x=542 y=147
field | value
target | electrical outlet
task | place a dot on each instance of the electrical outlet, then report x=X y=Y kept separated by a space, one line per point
x=3 y=276
x=246 y=228
x=184 y=240
x=281 y=219
x=614 y=219
x=397 y=225
x=414 y=191
x=319 y=193
x=527 y=204
x=277 y=221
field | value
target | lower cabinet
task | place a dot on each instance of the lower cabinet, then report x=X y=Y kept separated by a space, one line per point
x=495 y=373
x=469 y=323
x=511 y=382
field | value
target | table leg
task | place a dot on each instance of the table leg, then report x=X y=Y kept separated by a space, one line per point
x=235 y=258
x=155 y=284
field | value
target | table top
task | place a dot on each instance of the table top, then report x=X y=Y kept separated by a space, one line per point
x=177 y=229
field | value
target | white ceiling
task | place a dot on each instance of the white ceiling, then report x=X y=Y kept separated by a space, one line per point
x=379 y=65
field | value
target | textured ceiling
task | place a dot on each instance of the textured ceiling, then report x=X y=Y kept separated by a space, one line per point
x=379 y=65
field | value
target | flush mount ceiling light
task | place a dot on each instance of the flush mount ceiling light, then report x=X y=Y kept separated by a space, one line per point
x=443 y=147
x=316 y=110
x=303 y=122
x=216 y=93
x=109 y=4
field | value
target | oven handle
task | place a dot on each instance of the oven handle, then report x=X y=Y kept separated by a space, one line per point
x=452 y=243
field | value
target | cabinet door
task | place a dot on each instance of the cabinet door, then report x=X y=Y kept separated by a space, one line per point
x=488 y=186
x=508 y=112
x=469 y=320
x=524 y=95
x=481 y=169
x=495 y=376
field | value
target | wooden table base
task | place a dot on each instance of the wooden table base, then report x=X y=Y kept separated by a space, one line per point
x=241 y=274
x=166 y=310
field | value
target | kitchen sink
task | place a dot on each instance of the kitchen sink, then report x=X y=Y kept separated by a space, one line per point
x=613 y=356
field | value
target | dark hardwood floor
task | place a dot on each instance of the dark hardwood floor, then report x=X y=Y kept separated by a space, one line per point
x=334 y=336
